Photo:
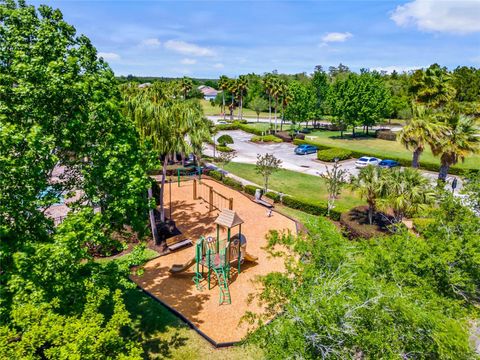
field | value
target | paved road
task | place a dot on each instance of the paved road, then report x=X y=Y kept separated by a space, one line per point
x=246 y=152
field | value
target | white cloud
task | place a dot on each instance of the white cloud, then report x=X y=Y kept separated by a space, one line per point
x=188 y=61
x=336 y=37
x=186 y=48
x=109 y=56
x=454 y=16
x=218 y=66
x=397 y=68
x=152 y=42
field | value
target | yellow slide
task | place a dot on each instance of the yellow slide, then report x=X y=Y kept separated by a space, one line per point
x=178 y=268
x=250 y=257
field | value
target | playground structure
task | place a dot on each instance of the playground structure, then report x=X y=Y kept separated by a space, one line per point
x=215 y=255
x=189 y=173
x=219 y=324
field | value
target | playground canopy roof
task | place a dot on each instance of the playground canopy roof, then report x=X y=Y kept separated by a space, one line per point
x=228 y=219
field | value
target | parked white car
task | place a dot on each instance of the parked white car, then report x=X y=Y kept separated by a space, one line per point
x=366 y=160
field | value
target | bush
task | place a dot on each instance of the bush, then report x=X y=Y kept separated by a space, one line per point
x=284 y=135
x=273 y=195
x=330 y=155
x=237 y=185
x=250 y=189
x=215 y=174
x=225 y=139
x=224 y=148
x=232 y=126
x=386 y=134
x=421 y=224
x=266 y=138
x=251 y=130
x=309 y=207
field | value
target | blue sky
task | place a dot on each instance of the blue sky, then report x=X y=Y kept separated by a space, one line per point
x=210 y=38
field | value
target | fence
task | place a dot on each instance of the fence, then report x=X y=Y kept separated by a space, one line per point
x=214 y=199
x=189 y=172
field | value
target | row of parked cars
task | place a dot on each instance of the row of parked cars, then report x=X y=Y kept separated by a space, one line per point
x=364 y=161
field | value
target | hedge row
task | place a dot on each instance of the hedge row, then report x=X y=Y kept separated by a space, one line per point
x=224 y=148
x=404 y=162
x=386 y=135
x=309 y=207
x=329 y=155
x=266 y=138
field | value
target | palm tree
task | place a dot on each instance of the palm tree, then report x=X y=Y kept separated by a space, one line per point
x=460 y=140
x=267 y=85
x=432 y=86
x=223 y=85
x=286 y=98
x=233 y=88
x=419 y=132
x=186 y=85
x=276 y=91
x=370 y=182
x=407 y=192
x=242 y=85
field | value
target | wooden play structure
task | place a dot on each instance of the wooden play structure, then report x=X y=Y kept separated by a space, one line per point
x=214 y=255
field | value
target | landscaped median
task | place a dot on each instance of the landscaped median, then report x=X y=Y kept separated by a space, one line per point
x=266 y=139
x=424 y=164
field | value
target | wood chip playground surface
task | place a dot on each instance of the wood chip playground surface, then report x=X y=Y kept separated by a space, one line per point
x=221 y=323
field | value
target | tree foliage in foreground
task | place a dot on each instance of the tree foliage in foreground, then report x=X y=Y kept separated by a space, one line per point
x=393 y=297
x=59 y=110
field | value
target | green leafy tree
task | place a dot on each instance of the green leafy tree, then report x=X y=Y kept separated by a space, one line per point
x=241 y=88
x=225 y=139
x=60 y=113
x=267 y=83
x=335 y=178
x=258 y=105
x=359 y=100
x=321 y=86
x=186 y=85
x=302 y=103
x=419 y=132
x=471 y=188
x=266 y=165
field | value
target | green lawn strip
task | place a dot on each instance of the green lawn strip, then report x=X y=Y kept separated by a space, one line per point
x=302 y=186
x=381 y=148
x=210 y=110
x=308 y=220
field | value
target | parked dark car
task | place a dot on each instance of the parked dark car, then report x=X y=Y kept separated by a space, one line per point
x=387 y=164
x=305 y=149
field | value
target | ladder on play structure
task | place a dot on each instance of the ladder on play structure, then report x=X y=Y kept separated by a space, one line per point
x=223 y=286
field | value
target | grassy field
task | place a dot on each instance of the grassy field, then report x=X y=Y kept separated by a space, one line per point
x=381 y=148
x=302 y=186
x=263 y=126
x=210 y=110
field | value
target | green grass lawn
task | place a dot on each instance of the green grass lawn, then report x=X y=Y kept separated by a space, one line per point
x=302 y=186
x=164 y=336
x=381 y=148
x=210 y=110
x=266 y=126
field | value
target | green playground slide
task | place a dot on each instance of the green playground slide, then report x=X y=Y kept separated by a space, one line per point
x=223 y=285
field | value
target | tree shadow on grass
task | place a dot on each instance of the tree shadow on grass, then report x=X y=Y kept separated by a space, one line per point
x=150 y=320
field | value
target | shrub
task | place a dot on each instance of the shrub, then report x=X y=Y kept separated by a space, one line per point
x=224 y=148
x=309 y=207
x=250 y=189
x=225 y=139
x=284 y=135
x=232 y=126
x=299 y=136
x=386 y=134
x=266 y=138
x=237 y=185
x=273 y=195
x=421 y=224
x=330 y=155
x=215 y=174
x=251 y=130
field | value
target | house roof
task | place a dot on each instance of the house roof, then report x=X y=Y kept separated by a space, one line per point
x=228 y=219
x=208 y=90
